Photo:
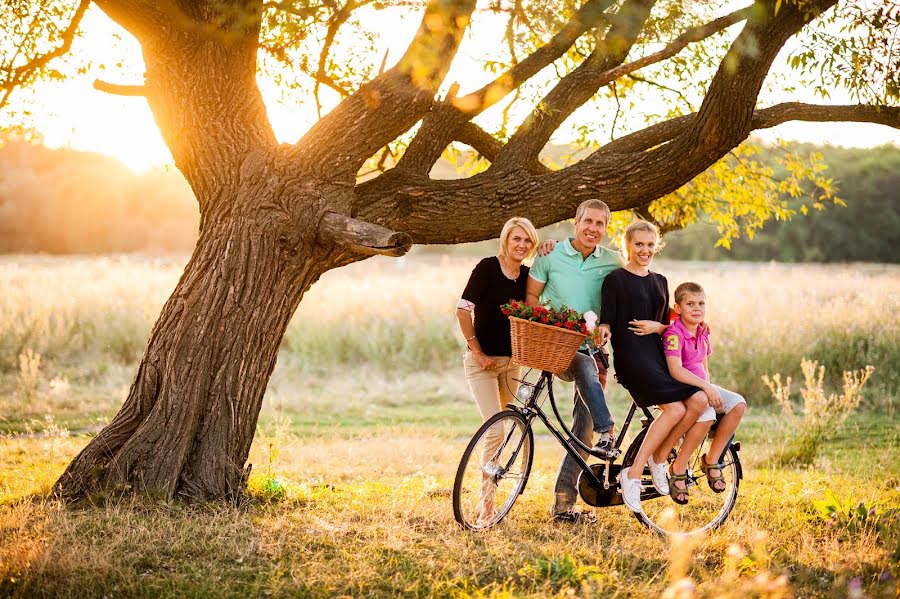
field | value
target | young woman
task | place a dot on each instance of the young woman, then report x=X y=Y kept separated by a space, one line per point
x=635 y=312
x=489 y=370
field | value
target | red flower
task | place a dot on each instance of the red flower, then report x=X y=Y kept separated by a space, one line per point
x=544 y=319
x=570 y=325
x=557 y=324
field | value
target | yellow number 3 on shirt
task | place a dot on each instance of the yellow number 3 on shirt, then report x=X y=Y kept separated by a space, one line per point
x=672 y=343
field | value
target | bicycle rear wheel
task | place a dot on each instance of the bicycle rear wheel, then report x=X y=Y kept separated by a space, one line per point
x=493 y=471
x=705 y=510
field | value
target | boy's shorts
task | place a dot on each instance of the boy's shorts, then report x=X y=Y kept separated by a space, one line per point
x=729 y=400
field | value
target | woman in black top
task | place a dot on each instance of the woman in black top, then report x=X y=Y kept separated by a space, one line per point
x=489 y=370
x=634 y=310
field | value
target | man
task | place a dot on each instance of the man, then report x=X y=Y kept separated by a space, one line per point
x=572 y=274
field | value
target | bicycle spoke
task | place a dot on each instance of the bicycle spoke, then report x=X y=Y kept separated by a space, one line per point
x=705 y=509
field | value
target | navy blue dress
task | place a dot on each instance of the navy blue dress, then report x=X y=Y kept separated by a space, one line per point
x=638 y=359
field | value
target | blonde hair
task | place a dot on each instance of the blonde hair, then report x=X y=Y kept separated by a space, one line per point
x=518 y=221
x=640 y=225
x=595 y=204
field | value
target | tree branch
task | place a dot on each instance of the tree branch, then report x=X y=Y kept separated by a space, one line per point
x=288 y=7
x=428 y=210
x=392 y=102
x=338 y=19
x=120 y=90
x=324 y=79
x=362 y=237
x=586 y=18
x=763 y=118
x=694 y=34
x=659 y=85
x=796 y=111
x=439 y=125
x=576 y=88
x=483 y=142
x=24 y=74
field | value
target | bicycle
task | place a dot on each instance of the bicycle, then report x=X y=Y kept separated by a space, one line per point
x=485 y=488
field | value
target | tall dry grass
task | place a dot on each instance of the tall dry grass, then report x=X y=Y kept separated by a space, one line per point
x=88 y=320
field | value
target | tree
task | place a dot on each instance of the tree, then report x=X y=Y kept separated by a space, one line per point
x=275 y=217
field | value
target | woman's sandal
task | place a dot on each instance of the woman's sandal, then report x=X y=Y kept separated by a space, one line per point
x=678 y=494
x=713 y=481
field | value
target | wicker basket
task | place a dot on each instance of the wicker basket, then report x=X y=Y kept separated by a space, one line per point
x=542 y=346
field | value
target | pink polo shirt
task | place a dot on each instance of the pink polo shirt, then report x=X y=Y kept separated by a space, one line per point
x=692 y=349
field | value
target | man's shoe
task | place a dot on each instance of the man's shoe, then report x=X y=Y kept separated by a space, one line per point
x=575 y=517
x=630 y=490
x=604 y=446
x=660 y=476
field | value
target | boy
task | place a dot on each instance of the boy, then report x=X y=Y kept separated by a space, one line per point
x=687 y=347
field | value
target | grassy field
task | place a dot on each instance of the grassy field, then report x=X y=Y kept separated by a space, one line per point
x=364 y=421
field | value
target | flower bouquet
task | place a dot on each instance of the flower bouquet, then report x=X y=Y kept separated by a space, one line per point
x=545 y=337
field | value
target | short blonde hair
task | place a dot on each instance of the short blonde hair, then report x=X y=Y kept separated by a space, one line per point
x=640 y=225
x=518 y=221
x=685 y=288
x=594 y=204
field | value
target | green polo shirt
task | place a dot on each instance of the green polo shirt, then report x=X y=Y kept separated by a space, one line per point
x=573 y=280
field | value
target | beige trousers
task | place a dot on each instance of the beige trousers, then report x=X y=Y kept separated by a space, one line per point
x=492 y=390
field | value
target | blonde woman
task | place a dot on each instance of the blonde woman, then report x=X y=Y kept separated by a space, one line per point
x=634 y=313
x=488 y=366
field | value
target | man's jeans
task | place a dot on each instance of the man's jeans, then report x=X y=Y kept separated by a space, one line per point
x=587 y=382
x=589 y=415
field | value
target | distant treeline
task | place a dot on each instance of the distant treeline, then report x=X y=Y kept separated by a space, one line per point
x=866 y=230
x=64 y=201
x=68 y=202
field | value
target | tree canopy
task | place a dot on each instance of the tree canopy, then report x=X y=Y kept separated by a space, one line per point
x=543 y=70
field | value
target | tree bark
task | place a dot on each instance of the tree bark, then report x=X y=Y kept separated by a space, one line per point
x=190 y=416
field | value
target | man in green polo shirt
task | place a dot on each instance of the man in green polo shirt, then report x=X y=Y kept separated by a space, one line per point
x=572 y=274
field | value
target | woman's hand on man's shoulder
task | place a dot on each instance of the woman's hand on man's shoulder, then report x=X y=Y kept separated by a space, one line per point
x=546 y=247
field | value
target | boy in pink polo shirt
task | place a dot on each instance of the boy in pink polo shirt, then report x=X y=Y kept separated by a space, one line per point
x=687 y=348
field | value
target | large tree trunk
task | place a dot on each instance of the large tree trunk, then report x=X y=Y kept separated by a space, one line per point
x=190 y=416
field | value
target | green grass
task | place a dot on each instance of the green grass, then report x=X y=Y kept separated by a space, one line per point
x=370 y=515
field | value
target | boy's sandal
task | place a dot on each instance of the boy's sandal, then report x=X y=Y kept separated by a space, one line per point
x=716 y=483
x=679 y=494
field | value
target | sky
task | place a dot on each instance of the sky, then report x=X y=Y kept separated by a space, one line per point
x=73 y=114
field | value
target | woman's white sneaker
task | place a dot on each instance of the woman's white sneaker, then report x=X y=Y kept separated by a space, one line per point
x=631 y=491
x=660 y=476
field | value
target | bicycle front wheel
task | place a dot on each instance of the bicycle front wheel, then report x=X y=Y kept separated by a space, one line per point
x=705 y=509
x=493 y=471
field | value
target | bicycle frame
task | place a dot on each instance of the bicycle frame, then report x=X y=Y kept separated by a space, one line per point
x=532 y=410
